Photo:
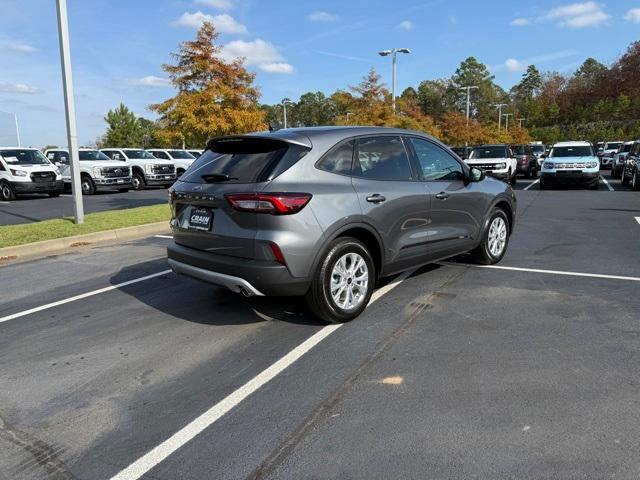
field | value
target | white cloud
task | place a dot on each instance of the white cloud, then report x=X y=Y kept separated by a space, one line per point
x=320 y=16
x=406 y=25
x=278 y=67
x=18 y=88
x=520 y=22
x=219 y=4
x=578 y=15
x=258 y=53
x=150 y=81
x=224 y=23
x=20 y=47
x=633 y=15
x=514 y=65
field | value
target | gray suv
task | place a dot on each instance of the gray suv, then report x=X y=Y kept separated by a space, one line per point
x=326 y=212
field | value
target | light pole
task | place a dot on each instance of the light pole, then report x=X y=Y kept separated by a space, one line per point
x=15 y=119
x=468 y=89
x=70 y=110
x=521 y=120
x=507 y=115
x=393 y=52
x=499 y=107
x=284 y=108
x=348 y=113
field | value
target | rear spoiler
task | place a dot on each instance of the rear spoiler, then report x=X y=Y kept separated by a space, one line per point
x=258 y=142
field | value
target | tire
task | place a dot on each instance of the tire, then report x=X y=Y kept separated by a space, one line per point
x=87 y=186
x=322 y=303
x=624 y=180
x=179 y=172
x=635 y=181
x=513 y=180
x=534 y=172
x=6 y=192
x=137 y=181
x=123 y=190
x=488 y=252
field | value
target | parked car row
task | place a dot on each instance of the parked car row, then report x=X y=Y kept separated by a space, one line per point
x=28 y=170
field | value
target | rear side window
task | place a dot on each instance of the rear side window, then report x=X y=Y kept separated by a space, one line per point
x=244 y=160
x=338 y=159
x=382 y=158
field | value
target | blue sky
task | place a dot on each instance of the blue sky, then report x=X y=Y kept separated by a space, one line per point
x=118 y=47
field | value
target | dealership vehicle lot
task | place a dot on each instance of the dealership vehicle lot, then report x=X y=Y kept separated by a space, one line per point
x=521 y=370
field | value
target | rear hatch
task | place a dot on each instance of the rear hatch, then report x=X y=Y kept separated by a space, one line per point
x=203 y=218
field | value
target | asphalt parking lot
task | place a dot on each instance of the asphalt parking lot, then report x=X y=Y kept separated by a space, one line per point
x=34 y=208
x=112 y=367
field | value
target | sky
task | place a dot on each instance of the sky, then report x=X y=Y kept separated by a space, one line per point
x=119 y=46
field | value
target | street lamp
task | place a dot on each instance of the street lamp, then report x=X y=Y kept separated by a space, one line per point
x=521 y=120
x=284 y=107
x=393 y=52
x=468 y=89
x=499 y=107
x=15 y=119
x=507 y=115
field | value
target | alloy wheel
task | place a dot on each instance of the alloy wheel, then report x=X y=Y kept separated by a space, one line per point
x=349 y=281
x=497 y=236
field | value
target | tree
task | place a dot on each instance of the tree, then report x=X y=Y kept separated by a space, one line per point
x=370 y=105
x=123 y=128
x=530 y=84
x=215 y=97
x=314 y=109
x=432 y=97
x=473 y=73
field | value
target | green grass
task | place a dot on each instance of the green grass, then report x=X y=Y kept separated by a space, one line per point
x=11 y=235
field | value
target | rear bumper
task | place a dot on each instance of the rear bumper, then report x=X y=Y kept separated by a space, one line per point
x=38 y=187
x=580 y=178
x=520 y=168
x=242 y=275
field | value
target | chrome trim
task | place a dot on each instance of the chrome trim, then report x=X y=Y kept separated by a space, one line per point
x=235 y=284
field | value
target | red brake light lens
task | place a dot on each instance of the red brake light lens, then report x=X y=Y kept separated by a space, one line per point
x=273 y=203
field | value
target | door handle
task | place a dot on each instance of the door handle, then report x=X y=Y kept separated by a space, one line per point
x=442 y=196
x=375 y=198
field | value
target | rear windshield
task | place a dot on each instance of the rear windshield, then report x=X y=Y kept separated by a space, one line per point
x=243 y=160
x=488 y=152
x=538 y=148
x=519 y=150
x=626 y=148
x=92 y=155
x=578 y=151
x=181 y=154
x=24 y=157
x=612 y=146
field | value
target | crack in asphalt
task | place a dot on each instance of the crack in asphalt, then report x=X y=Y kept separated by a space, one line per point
x=43 y=454
x=320 y=413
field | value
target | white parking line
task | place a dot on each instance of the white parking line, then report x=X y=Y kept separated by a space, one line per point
x=552 y=272
x=145 y=463
x=606 y=183
x=638 y=219
x=163 y=236
x=81 y=296
x=531 y=184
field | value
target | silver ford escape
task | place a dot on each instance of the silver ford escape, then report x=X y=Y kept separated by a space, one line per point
x=325 y=212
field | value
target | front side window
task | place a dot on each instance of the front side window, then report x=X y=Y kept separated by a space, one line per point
x=382 y=158
x=159 y=154
x=435 y=162
x=338 y=159
x=488 y=152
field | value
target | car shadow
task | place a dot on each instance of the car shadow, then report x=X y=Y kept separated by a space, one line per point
x=193 y=301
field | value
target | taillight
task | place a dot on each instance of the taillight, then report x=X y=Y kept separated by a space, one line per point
x=273 y=203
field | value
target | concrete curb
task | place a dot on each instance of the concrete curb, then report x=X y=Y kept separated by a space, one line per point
x=35 y=250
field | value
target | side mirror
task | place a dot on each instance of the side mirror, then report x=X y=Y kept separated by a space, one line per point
x=476 y=174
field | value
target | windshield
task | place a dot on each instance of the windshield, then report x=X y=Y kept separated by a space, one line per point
x=612 y=146
x=577 y=151
x=92 y=155
x=626 y=148
x=137 y=154
x=488 y=152
x=182 y=154
x=24 y=157
x=518 y=150
x=538 y=148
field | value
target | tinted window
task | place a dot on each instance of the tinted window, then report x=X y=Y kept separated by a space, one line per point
x=244 y=160
x=625 y=148
x=382 y=158
x=88 y=155
x=435 y=162
x=139 y=154
x=159 y=154
x=488 y=152
x=338 y=159
x=577 y=151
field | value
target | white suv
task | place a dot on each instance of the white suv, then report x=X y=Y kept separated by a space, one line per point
x=181 y=158
x=27 y=170
x=570 y=163
x=495 y=160
x=97 y=171
x=146 y=170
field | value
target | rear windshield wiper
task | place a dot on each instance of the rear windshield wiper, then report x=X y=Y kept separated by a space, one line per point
x=217 y=177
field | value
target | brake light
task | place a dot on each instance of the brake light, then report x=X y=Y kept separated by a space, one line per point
x=273 y=203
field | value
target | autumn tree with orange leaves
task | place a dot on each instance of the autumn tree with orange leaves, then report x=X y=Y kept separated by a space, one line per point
x=215 y=97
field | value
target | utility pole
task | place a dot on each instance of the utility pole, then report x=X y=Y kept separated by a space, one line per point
x=284 y=107
x=70 y=110
x=499 y=107
x=468 y=89
x=521 y=120
x=348 y=113
x=507 y=115
x=393 y=52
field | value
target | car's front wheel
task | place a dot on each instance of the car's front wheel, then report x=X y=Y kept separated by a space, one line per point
x=343 y=282
x=6 y=192
x=137 y=181
x=495 y=239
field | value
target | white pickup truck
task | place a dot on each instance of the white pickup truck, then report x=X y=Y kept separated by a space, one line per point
x=146 y=170
x=97 y=171
x=181 y=158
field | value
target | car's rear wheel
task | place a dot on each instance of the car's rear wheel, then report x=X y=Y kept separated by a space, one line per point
x=343 y=282
x=494 y=240
x=6 y=192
